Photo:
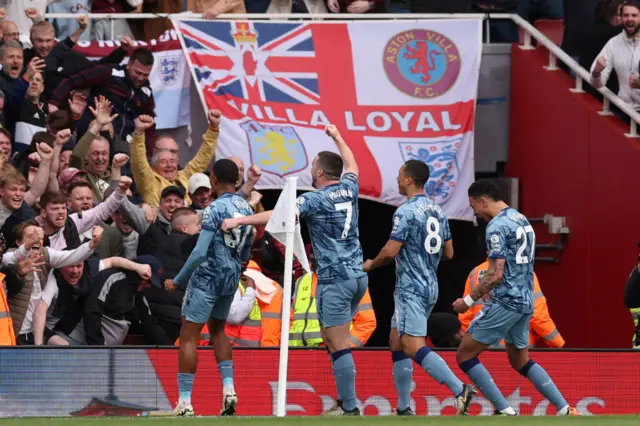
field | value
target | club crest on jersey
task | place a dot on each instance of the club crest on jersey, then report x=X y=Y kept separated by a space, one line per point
x=441 y=157
x=278 y=150
x=422 y=63
x=168 y=69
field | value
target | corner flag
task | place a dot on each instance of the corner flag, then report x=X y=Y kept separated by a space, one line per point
x=280 y=222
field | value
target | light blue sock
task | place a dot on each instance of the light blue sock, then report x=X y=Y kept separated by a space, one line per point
x=226 y=372
x=541 y=380
x=333 y=369
x=435 y=366
x=482 y=379
x=344 y=371
x=402 y=377
x=185 y=385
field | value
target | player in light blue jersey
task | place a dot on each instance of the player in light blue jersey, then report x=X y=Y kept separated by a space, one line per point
x=331 y=214
x=506 y=314
x=420 y=238
x=212 y=273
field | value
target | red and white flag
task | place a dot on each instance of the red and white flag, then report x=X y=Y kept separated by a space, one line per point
x=396 y=90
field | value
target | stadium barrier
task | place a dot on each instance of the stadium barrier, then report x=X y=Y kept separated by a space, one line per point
x=125 y=381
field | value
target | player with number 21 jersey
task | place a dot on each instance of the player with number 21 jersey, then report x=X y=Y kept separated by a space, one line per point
x=510 y=236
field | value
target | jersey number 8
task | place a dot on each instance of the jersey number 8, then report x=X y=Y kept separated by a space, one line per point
x=433 y=234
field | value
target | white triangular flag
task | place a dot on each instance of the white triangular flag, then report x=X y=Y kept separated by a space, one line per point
x=283 y=220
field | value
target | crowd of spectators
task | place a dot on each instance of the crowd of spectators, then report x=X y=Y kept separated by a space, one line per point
x=96 y=214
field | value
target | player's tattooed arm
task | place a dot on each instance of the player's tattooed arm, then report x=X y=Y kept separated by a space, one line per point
x=491 y=279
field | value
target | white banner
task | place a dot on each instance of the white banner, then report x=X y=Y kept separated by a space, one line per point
x=396 y=91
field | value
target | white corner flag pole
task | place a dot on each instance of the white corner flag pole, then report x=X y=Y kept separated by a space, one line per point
x=285 y=222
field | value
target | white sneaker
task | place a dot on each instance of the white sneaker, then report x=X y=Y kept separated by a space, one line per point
x=179 y=411
x=229 y=403
x=336 y=410
x=184 y=411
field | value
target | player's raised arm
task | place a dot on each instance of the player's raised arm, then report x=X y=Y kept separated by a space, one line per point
x=349 y=160
x=259 y=219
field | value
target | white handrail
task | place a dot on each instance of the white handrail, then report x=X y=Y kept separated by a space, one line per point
x=582 y=75
x=555 y=52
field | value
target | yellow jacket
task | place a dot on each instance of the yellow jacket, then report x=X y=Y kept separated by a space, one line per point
x=542 y=326
x=150 y=184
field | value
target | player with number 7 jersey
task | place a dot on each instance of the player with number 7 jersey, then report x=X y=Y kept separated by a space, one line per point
x=331 y=213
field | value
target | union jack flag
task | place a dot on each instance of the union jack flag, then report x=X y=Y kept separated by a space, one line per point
x=257 y=62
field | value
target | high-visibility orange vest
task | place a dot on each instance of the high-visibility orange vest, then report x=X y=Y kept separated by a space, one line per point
x=271 y=313
x=305 y=327
x=249 y=333
x=542 y=326
x=7 y=334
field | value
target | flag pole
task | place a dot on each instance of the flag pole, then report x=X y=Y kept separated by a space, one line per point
x=289 y=225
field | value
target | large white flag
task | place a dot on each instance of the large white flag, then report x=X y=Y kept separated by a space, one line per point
x=281 y=223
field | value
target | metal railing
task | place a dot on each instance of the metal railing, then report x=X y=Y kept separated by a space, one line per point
x=530 y=33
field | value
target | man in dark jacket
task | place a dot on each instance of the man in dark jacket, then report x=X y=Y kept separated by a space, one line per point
x=172 y=255
x=126 y=87
x=12 y=60
x=60 y=60
x=632 y=301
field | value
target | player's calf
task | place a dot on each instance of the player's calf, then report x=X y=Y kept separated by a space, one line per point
x=545 y=385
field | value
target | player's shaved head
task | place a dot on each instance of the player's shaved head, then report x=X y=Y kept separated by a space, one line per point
x=418 y=171
x=331 y=164
x=225 y=172
x=485 y=188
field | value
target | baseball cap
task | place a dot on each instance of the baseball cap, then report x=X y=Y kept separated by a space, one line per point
x=172 y=190
x=198 y=180
x=67 y=175
x=157 y=270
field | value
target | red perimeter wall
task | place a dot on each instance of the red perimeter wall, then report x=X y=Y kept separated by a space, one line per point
x=575 y=163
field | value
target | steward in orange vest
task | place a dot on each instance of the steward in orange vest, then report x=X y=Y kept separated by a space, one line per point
x=542 y=326
x=269 y=297
x=7 y=334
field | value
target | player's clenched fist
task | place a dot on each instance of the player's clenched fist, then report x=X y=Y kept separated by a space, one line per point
x=332 y=131
x=214 y=118
x=460 y=306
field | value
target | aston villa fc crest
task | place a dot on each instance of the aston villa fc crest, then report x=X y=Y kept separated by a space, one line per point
x=422 y=63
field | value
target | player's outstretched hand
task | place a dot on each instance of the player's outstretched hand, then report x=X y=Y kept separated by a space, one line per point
x=229 y=224
x=367 y=265
x=460 y=306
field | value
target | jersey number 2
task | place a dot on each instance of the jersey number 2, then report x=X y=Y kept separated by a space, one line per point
x=433 y=234
x=521 y=234
x=347 y=221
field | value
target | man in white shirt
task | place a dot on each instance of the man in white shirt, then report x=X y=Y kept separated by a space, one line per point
x=65 y=230
x=31 y=237
x=622 y=53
